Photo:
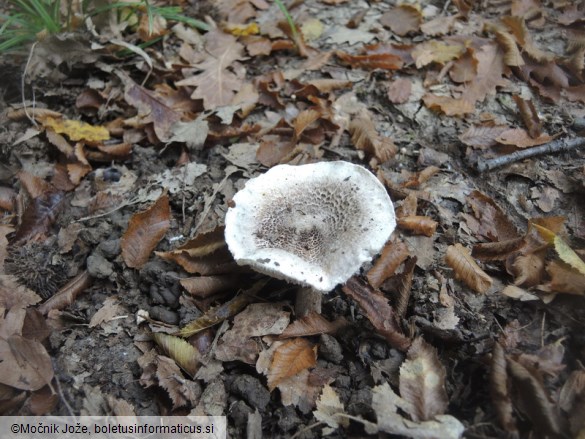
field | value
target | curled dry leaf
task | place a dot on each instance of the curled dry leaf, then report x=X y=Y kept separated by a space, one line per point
x=292 y=357
x=459 y=259
x=376 y=308
x=372 y=61
x=392 y=255
x=145 y=230
x=419 y=225
x=404 y=286
x=528 y=269
x=206 y=286
x=422 y=382
x=365 y=137
x=68 y=293
x=497 y=251
x=312 y=324
x=499 y=390
x=529 y=116
x=533 y=399
x=185 y=355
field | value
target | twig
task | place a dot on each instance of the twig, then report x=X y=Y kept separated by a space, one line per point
x=554 y=146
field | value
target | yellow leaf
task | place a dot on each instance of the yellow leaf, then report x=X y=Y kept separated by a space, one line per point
x=565 y=252
x=185 y=355
x=77 y=130
x=242 y=30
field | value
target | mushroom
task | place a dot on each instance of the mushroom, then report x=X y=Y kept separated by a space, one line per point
x=313 y=225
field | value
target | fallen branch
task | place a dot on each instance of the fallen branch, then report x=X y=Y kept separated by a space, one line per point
x=554 y=146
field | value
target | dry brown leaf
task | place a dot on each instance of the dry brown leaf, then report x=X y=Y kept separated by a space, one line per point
x=292 y=357
x=482 y=136
x=312 y=324
x=438 y=26
x=25 y=364
x=403 y=282
x=376 y=308
x=499 y=390
x=219 y=262
x=68 y=293
x=464 y=69
x=528 y=269
x=520 y=138
x=365 y=137
x=402 y=19
x=43 y=401
x=14 y=295
x=392 y=255
x=372 y=61
x=305 y=120
x=564 y=279
x=109 y=310
x=39 y=216
x=572 y=401
x=448 y=105
x=419 y=225
x=216 y=84
x=205 y=286
x=398 y=91
x=534 y=400
x=499 y=250
x=529 y=116
x=422 y=382
x=436 y=51
x=151 y=108
x=494 y=223
x=144 y=232
x=512 y=55
x=459 y=259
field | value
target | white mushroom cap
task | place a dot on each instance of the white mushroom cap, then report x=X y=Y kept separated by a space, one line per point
x=312 y=224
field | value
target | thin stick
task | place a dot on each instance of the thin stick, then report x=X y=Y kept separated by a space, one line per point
x=554 y=146
x=23 y=85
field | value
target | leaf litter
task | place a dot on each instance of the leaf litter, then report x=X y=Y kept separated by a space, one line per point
x=418 y=94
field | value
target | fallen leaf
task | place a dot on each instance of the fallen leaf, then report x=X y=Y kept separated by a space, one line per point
x=312 y=324
x=436 y=51
x=564 y=279
x=185 y=355
x=215 y=83
x=391 y=256
x=518 y=293
x=520 y=138
x=482 y=136
x=422 y=382
x=110 y=309
x=402 y=19
x=25 y=364
x=365 y=137
x=572 y=401
x=494 y=223
x=39 y=216
x=566 y=253
x=68 y=293
x=420 y=225
x=77 y=130
x=384 y=61
x=329 y=407
x=529 y=116
x=499 y=390
x=144 y=232
x=528 y=269
x=206 y=286
x=459 y=259
x=499 y=250
x=376 y=308
x=292 y=357
x=398 y=91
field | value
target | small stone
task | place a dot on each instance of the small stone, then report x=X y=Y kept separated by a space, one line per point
x=98 y=266
x=330 y=349
x=252 y=390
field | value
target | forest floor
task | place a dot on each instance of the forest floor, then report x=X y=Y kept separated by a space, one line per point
x=118 y=167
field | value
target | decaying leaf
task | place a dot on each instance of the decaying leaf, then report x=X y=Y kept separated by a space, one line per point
x=436 y=51
x=566 y=253
x=145 y=230
x=563 y=279
x=529 y=116
x=572 y=401
x=495 y=224
x=520 y=138
x=292 y=357
x=206 y=286
x=215 y=83
x=497 y=251
x=500 y=391
x=329 y=406
x=384 y=61
x=312 y=324
x=534 y=401
x=420 y=225
x=39 y=216
x=25 y=363
x=365 y=137
x=376 y=308
x=422 y=382
x=184 y=354
x=528 y=269
x=459 y=259
x=402 y=19
x=77 y=130
x=482 y=136
x=68 y=293
x=518 y=293
x=386 y=404
x=392 y=255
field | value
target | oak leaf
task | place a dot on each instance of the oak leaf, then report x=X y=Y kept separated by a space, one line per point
x=216 y=84
x=459 y=259
x=144 y=232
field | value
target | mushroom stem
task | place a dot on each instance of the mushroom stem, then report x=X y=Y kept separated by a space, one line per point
x=308 y=300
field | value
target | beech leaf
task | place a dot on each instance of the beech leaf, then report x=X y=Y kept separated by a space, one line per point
x=459 y=259
x=292 y=357
x=184 y=354
x=145 y=230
